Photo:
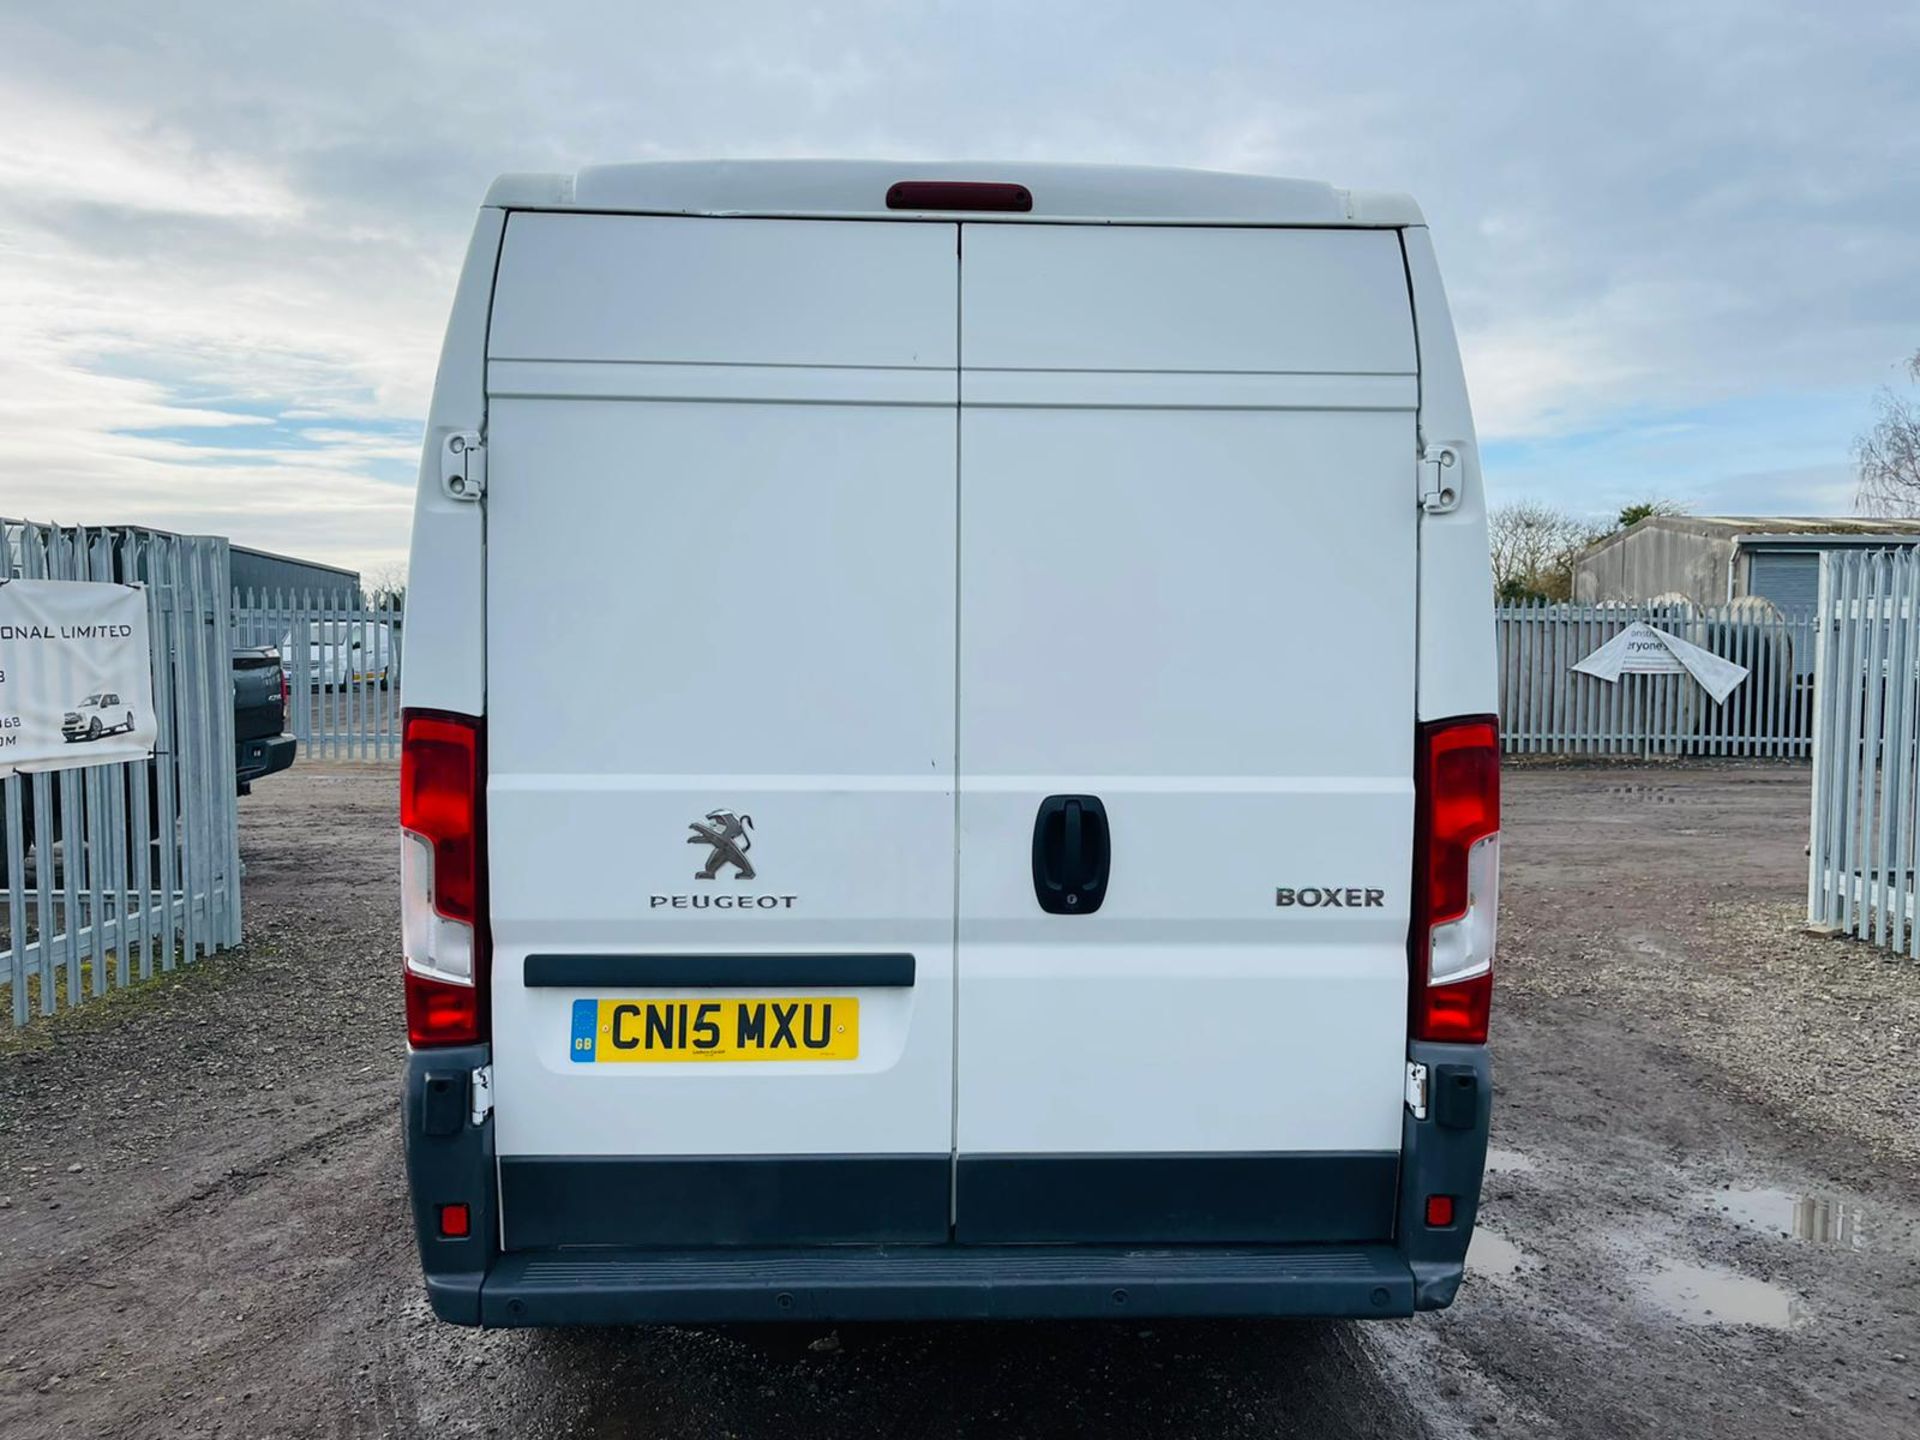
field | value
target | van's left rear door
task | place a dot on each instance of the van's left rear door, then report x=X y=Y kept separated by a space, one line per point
x=720 y=729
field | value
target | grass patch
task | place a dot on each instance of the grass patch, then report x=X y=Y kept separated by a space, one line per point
x=95 y=1013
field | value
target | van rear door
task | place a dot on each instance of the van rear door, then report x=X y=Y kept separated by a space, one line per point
x=1188 y=558
x=720 y=729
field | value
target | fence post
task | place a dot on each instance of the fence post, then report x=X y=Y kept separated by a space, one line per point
x=1824 y=690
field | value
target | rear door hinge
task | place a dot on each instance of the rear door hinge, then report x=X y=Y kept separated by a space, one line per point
x=482 y=1088
x=1440 y=476
x=1417 y=1089
x=463 y=465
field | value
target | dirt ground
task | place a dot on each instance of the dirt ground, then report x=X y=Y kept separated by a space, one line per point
x=1702 y=1218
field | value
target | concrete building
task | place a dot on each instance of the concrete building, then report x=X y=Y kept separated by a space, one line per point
x=1715 y=558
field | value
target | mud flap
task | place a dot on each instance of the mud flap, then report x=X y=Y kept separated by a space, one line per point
x=450 y=1162
x=1444 y=1154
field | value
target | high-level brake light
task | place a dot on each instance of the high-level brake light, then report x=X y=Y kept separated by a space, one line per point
x=958 y=195
x=1456 y=879
x=441 y=860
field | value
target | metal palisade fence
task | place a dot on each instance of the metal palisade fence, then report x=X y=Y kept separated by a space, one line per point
x=344 y=695
x=1549 y=708
x=113 y=872
x=1861 y=853
x=341 y=655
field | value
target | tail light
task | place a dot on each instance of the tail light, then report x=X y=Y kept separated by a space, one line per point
x=286 y=694
x=441 y=857
x=1456 y=879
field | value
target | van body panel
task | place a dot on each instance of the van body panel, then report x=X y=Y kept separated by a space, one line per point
x=1296 y=1198
x=731 y=1200
x=446 y=614
x=1099 y=194
x=809 y=292
x=865 y=541
x=1168 y=301
x=1458 y=665
x=1159 y=607
x=722 y=602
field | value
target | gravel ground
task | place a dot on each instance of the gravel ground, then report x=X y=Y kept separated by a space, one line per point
x=1701 y=1220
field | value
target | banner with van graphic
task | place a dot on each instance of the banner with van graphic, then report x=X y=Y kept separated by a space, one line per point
x=76 y=677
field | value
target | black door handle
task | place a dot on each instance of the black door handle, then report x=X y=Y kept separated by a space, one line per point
x=1072 y=854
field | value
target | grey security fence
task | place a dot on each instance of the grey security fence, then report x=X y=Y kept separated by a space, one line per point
x=341 y=656
x=112 y=872
x=1548 y=708
x=1861 y=851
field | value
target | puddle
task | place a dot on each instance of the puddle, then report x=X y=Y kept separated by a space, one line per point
x=1817 y=1219
x=1494 y=1257
x=1508 y=1162
x=1712 y=1295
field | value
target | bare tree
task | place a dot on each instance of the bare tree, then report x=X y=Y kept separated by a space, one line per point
x=1534 y=547
x=1889 y=454
x=388 y=584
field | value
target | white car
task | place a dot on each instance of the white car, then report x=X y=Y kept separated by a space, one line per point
x=99 y=714
x=950 y=766
x=342 y=653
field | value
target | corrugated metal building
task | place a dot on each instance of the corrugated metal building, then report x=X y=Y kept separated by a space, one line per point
x=1715 y=558
x=263 y=572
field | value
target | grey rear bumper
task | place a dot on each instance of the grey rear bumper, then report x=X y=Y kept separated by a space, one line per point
x=942 y=1282
x=470 y=1281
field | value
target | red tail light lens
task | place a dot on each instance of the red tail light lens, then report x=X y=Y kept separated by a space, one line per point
x=441 y=885
x=1456 y=879
x=440 y=802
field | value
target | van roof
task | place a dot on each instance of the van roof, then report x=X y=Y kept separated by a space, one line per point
x=1090 y=194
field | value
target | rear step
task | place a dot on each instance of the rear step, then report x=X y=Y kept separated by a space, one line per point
x=935 y=1282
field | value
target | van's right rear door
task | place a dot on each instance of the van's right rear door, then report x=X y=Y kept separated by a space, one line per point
x=1188 y=554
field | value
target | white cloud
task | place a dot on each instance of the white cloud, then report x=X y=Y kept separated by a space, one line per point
x=228 y=234
x=65 y=148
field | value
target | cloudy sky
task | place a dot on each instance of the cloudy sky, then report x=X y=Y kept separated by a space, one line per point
x=1680 y=239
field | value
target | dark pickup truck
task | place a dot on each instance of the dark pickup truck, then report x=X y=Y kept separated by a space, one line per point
x=259 y=715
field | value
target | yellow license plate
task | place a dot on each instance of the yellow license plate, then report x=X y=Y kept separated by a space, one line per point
x=812 y=1027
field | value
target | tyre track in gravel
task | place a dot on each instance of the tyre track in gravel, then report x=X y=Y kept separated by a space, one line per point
x=117 y=1248
x=214 y=1318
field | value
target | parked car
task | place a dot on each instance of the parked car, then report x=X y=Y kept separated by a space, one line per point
x=102 y=713
x=342 y=653
x=261 y=744
x=1034 y=851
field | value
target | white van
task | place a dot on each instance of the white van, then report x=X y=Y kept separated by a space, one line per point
x=949 y=766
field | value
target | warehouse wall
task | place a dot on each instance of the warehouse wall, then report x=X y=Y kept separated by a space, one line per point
x=1652 y=561
x=263 y=573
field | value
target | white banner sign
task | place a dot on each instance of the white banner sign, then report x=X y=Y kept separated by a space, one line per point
x=76 y=681
x=1642 y=650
